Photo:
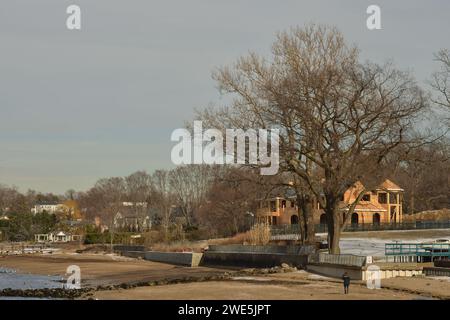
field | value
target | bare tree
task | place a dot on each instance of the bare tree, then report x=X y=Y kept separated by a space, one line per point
x=441 y=79
x=230 y=203
x=190 y=185
x=163 y=199
x=338 y=118
x=139 y=189
x=105 y=200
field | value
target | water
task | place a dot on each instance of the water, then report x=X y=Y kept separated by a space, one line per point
x=9 y=279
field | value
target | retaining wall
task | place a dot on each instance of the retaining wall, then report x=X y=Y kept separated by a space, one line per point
x=179 y=258
x=133 y=254
x=252 y=259
x=124 y=247
x=437 y=272
x=336 y=271
x=442 y=263
x=237 y=248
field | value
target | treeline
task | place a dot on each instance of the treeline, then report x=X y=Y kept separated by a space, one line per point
x=197 y=201
x=340 y=120
x=201 y=201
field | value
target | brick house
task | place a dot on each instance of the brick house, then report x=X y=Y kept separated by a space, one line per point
x=381 y=205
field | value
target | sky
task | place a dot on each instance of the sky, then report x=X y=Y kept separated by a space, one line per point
x=79 y=105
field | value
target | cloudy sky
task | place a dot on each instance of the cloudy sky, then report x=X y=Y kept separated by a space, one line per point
x=76 y=106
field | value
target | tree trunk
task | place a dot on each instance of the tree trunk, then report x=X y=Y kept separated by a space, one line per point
x=334 y=237
x=334 y=226
x=302 y=226
x=308 y=217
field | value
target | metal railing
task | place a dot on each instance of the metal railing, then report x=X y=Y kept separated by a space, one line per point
x=285 y=229
x=418 y=249
x=322 y=228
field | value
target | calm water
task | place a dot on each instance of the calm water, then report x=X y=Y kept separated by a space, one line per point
x=9 y=279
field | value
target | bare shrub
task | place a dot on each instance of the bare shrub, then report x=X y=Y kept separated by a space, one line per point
x=259 y=234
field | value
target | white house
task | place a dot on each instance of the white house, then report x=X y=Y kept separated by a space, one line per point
x=48 y=207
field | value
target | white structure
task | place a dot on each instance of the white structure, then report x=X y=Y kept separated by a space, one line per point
x=49 y=208
x=59 y=237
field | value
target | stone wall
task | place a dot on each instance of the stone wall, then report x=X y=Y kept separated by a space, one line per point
x=179 y=258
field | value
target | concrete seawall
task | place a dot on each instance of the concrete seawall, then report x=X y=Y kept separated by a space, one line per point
x=231 y=256
x=133 y=254
x=126 y=247
x=178 y=258
x=336 y=271
x=252 y=259
x=238 y=248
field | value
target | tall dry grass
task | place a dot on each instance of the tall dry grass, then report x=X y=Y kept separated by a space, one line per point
x=259 y=234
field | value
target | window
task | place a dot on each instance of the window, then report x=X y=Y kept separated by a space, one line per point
x=292 y=204
x=283 y=204
x=273 y=206
x=355 y=219
x=392 y=198
x=376 y=218
x=382 y=198
x=366 y=197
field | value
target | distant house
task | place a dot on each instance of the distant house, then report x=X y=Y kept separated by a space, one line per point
x=56 y=237
x=132 y=222
x=381 y=205
x=48 y=207
x=133 y=217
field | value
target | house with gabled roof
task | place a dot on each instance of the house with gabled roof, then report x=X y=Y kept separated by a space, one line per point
x=383 y=204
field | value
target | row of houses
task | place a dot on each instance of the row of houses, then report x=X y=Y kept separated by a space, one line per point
x=383 y=204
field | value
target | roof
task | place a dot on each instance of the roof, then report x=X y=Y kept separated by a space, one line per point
x=389 y=185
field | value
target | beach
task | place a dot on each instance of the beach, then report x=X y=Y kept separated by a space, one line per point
x=116 y=277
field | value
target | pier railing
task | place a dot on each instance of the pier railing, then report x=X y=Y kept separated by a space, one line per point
x=418 y=249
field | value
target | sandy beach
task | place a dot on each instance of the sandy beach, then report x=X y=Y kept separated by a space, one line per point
x=109 y=270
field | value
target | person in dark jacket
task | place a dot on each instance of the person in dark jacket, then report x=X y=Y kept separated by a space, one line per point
x=346 y=279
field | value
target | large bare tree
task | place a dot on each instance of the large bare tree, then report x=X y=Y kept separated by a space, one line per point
x=338 y=117
x=190 y=185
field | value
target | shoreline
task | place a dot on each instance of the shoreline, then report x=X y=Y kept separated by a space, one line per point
x=115 y=277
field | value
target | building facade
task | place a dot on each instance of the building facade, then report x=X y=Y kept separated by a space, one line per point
x=381 y=205
x=50 y=208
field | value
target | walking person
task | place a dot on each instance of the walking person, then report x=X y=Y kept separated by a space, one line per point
x=346 y=279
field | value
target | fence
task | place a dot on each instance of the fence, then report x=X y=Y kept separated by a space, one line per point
x=418 y=252
x=322 y=228
x=283 y=229
x=418 y=249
